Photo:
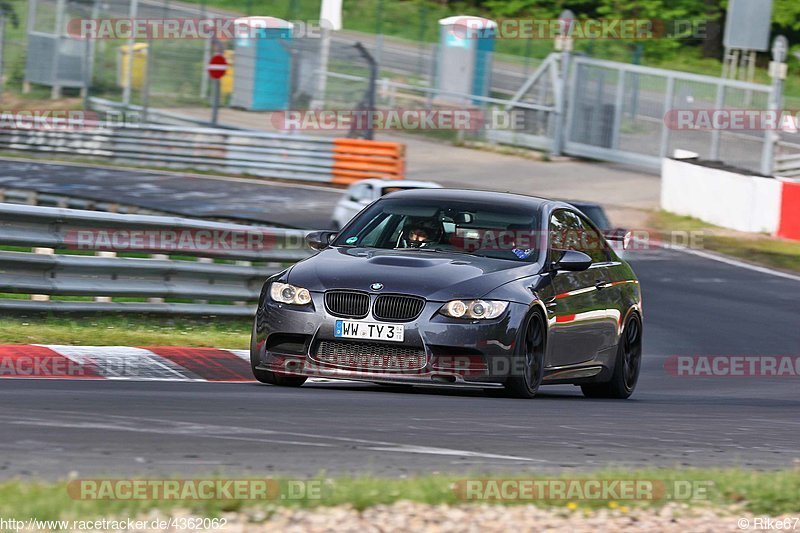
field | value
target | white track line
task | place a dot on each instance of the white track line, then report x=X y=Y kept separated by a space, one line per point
x=733 y=262
x=70 y=419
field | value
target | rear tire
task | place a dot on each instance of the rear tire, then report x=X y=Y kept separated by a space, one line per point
x=532 y=346
x=626 y=366
x=265 y=376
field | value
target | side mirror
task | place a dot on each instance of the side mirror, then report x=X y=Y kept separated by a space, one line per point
x=573 y=261
x=619 y=235
x=319 y=240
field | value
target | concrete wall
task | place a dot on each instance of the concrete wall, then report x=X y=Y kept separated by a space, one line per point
x=721 y=197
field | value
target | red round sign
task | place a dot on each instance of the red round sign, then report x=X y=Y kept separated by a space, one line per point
x=217 y=66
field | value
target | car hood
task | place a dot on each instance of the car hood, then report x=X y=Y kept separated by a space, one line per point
x=437 y=276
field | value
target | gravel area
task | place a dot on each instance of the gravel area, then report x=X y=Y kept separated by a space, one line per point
x=410 y=516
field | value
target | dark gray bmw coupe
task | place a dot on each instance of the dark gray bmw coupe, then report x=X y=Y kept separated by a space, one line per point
x=456 y=288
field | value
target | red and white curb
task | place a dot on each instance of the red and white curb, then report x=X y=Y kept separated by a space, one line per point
x=159 y=363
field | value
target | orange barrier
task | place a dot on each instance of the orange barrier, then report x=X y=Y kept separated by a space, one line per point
x=358 y=159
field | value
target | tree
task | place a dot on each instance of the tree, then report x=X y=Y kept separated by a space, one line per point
x=7 y=11
x=786 y=14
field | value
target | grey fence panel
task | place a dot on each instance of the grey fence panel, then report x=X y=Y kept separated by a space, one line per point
x=232 y=271
x=617 y=113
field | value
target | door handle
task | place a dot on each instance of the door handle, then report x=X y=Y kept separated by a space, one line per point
x=600 y=285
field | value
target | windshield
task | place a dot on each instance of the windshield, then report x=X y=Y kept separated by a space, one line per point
x=445 y=226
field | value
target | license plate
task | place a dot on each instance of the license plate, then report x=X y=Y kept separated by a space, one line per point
x=368 y=330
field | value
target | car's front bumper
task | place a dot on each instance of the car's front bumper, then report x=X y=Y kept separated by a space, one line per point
x=457 y=353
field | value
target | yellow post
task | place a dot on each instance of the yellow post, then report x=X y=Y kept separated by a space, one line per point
x=139 y=65
x=226 y=82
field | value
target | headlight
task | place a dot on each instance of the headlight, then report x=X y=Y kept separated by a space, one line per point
x=289 y=294
x=472 y=309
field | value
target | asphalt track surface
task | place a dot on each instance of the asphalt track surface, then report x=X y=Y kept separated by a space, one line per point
x=693 y=306
x=241 y=199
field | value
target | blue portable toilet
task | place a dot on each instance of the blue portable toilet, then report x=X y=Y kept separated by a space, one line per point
x=263 y=64
x=464 y=63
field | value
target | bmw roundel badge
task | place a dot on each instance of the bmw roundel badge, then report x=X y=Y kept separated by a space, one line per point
x=376 y=286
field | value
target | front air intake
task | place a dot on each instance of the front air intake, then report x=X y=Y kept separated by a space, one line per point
x=347 y=304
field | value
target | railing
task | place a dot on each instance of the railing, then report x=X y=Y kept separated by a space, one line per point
x=32 y=197
x=270 y=155
x=787 y=160
x=86 y=261
x=136 y=113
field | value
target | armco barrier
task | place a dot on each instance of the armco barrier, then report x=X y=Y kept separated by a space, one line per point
x=232 y=262
x=269 y=155
x=732 y=200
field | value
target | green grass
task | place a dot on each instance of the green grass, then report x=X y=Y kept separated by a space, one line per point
x=771 y=492
x=761 y=249
x=126 y=331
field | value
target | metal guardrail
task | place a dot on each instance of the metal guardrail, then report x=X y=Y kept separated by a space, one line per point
x=136 y=113
x=270 y=155
x=32 y=197
x=787 y=161
x=149 y=264
x=259 y=154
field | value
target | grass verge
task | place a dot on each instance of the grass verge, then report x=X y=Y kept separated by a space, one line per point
x=126 y=331
x=760 y=249
x=770 y=492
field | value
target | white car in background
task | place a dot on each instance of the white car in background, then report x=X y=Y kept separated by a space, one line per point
x=360 y=194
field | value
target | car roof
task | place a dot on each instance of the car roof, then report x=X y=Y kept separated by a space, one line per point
x=502 y=199
x=582 y=203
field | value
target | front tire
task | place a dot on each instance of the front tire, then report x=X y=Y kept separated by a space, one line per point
x=626 y=366
x=265 y=376
x=526 y=384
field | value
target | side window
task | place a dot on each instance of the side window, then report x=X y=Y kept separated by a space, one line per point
x=558 y=233
x=589 y=240
x=569 y=231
